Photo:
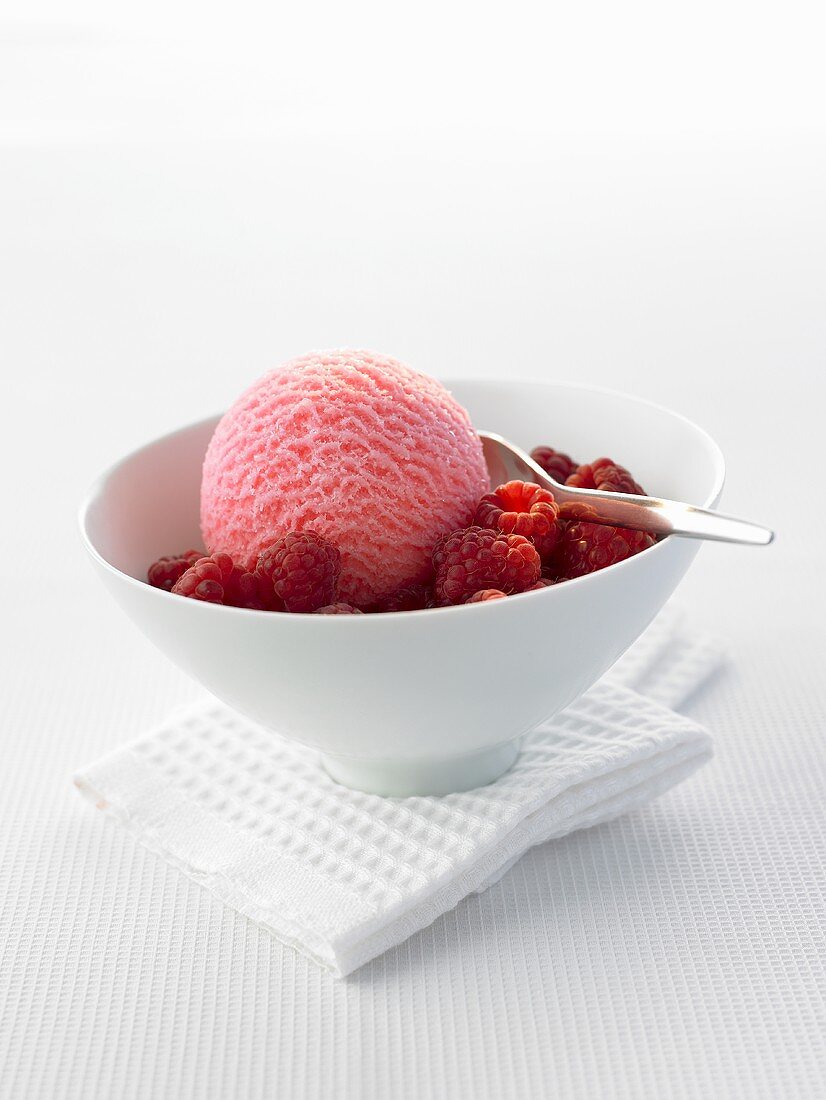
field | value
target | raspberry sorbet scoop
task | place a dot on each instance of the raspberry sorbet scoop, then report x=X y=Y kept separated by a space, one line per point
x=374 y=457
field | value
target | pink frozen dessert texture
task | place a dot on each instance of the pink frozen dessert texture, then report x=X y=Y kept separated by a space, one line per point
x=371 y=455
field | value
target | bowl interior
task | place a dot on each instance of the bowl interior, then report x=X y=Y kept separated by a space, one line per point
x=667 y=454
x=148 y=504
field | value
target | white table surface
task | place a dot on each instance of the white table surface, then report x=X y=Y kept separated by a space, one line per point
x=148 y=270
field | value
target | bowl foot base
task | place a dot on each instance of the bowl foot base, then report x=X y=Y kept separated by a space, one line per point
x=406 y=778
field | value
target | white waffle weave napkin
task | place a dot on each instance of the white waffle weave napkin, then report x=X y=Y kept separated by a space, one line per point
x=343 y=876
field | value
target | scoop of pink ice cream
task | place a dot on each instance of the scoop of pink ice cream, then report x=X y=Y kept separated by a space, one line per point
x=375 y=457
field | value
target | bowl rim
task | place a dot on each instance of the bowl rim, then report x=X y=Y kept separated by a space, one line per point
x=96 y=488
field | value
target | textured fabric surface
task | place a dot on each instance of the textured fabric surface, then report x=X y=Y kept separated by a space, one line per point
x=343 y=876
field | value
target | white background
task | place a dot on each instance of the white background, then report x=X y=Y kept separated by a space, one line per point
x=628 y=195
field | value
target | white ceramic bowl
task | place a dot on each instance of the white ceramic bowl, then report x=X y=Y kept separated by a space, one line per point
x=420 y=702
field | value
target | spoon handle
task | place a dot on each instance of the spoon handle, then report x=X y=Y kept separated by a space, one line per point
x=652 y=514
x=659 y=516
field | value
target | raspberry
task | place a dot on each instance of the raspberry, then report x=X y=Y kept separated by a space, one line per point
x=485 y=595
x=338 y=609
x=164 y=572
x=413 y=598
x=543 y=582
x=251 y=591
x=474 y=558
x=587 y=547
x=558 y=465
x=607 y=475
x=521 y=508
x=303 y=570
x=205 y=580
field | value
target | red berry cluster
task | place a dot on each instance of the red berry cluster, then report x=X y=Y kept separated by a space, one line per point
x=560 y=466
x=607 y=475
x=298 y=572
x=585 y=547
x=522 y=508
x=520 y=541
x=479 y=558
x=565 y=544
x=216 y=579
x=302 y=569
x=165 y=571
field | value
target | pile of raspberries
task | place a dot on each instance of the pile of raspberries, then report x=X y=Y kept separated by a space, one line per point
x=520 y=540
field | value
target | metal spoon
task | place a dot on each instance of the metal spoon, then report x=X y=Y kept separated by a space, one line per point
x=507 y=462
